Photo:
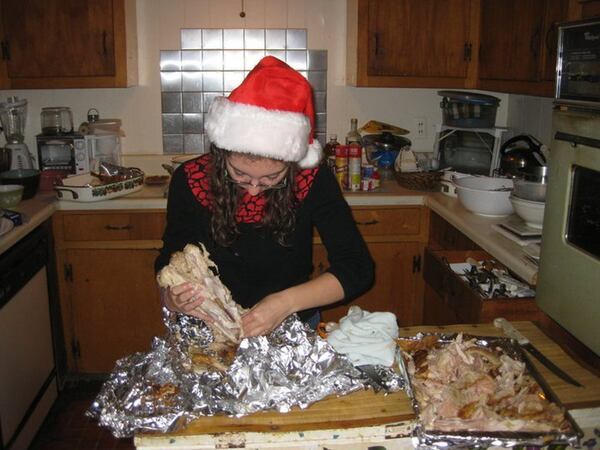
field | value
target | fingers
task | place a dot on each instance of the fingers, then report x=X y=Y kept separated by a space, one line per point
x=253 y=325
x=186 y=299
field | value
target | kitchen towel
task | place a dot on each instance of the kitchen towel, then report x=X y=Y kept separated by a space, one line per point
x=365 y=337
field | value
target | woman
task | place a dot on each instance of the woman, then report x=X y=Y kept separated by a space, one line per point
x=253 y=202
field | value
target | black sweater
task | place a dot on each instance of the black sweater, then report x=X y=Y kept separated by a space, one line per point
x=255 y=265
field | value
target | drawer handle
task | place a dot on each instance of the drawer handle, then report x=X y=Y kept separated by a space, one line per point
x=113 y=228
x=368 y=222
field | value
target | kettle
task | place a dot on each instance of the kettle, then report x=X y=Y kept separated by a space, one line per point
x=519 y=154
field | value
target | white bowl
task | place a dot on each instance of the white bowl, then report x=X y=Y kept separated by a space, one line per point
x=10 y=195
x=531 y=212
x=485 y=196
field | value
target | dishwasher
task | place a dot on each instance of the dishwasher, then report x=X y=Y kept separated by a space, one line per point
x=28 y=386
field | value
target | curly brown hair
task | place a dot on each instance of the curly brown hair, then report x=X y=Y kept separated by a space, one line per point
x=280 y=206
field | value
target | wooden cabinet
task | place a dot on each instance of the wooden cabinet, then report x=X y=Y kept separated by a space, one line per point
x=504 y=46
x=518 y=41
x=426 y=43
x=448 y=298
x=395 y=236
x=109 y=297
x=69 y=43
x=4 y=81
x=585 y=9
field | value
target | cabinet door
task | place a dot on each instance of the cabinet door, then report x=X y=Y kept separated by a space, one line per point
x=395 y=288
x=59 y=38
x=115 y=305
x=4 y=81
x=556 y=12
x=511 y=32
x=428 y=38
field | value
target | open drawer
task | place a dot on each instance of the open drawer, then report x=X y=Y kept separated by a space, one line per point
x=450 y=299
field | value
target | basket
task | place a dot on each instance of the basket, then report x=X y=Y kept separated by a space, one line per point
x=419 y=181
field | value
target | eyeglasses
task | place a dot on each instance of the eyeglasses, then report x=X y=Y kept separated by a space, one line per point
x=264 y=187
x=247 y=184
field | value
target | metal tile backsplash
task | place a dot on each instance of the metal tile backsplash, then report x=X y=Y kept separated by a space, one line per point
x=212 y=62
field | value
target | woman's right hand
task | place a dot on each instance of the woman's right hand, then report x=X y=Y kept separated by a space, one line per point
x=186 y=299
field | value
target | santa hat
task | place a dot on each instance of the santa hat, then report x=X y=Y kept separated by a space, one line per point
x=270 y=114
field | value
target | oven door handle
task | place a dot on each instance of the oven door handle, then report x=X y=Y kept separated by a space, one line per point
x=575 y=140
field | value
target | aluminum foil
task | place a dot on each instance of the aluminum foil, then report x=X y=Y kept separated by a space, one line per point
x=158 y=390
x=431 y=439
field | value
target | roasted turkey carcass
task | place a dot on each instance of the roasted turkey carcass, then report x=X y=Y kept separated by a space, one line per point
x=193 y=265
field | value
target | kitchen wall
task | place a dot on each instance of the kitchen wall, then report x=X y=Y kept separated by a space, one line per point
x=158 y=28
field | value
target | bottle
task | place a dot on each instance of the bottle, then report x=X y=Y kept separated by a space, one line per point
x=329 y=151
x=353 y=135
x=354 y=160
x=341 y=166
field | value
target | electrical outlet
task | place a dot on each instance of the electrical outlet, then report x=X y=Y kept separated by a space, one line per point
x=420 y=128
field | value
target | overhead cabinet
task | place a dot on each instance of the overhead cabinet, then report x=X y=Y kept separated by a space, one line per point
x=69 y=43
x=518 y=40
x=505 y=46
x=425 y=43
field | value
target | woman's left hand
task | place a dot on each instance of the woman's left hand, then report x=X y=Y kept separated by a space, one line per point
x=266 y=315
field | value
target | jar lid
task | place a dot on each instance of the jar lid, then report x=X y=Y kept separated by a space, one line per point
x=471 y=97
x=106 y=126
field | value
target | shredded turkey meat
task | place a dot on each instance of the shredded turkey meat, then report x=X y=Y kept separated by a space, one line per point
x=193 y=265
x=461 y=386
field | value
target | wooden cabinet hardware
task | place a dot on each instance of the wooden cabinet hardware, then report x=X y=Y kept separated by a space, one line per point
x=369 y=222
x=118 y=228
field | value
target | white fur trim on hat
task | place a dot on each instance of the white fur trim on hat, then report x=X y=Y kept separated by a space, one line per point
x=265 y=132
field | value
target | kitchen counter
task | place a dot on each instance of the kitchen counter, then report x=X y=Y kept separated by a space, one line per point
x=477 y=228
x=34 y=211
x=364 y=416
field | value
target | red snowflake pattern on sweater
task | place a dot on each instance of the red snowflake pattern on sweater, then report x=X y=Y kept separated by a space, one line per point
x=252 y=207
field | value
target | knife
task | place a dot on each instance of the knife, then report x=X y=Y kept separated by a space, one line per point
x=513 y=333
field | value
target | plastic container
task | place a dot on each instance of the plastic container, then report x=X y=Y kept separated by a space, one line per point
x=468 y=109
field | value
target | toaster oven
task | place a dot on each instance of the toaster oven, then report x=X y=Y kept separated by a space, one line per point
x=67 y=153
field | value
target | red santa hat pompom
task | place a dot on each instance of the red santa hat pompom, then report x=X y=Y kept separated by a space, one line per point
x=270 y=114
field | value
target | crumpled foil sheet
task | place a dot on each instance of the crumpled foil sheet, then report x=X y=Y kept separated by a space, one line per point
x=158 y=391
x=427 y=439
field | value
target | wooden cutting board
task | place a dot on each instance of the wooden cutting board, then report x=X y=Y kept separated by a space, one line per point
x=366 y=408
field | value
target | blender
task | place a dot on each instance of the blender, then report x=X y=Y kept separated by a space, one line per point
x=13 y=114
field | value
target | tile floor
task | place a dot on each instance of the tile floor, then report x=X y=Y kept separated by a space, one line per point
x=67 y=427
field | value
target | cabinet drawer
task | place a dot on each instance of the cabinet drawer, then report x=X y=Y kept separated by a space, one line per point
x=387 y=221
x=113 y=227
x=467 y=305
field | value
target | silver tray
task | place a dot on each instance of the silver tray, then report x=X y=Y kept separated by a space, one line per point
x=430 y=438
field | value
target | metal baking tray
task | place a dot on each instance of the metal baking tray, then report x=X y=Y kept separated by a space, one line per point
x=429 y=438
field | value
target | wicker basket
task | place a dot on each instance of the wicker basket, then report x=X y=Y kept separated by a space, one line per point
x=419 y=181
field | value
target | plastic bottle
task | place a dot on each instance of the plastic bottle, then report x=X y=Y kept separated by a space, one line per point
x=353 y=135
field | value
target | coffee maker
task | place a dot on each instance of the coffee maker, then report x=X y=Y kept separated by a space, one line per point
x=13 y=114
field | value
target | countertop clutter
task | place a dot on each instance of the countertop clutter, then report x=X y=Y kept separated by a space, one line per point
x=477 y=228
